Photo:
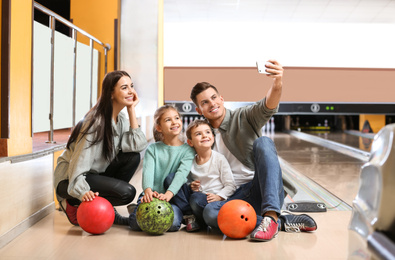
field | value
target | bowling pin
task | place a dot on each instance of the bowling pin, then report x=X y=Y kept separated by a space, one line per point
x=185 y=123
x=272 y=125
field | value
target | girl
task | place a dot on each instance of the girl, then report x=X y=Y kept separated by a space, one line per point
x=166 y=165
x=102 y=152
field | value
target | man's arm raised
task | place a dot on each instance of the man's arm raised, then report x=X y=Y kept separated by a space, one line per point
x=274 y=94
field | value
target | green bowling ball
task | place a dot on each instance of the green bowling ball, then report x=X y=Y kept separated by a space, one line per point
x=155 y=217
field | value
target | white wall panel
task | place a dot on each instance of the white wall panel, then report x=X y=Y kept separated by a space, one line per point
x=139 y=53
x=41 y=76
x=240 y=44
x=63 y=79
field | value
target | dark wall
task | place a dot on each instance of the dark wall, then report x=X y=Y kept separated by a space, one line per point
x=61 y=7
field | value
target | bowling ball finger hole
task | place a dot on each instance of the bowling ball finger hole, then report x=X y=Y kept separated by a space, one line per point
x=243 y=217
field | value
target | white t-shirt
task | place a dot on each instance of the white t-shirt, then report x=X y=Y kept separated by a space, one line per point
x=241 y=173
x=215 y=176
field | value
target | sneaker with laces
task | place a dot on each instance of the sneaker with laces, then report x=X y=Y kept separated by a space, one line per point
x=190 y=222
x=71 y=212
x=266 y=231
x=297 y=223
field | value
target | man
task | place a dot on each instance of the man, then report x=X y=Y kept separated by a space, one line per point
x=253 y=159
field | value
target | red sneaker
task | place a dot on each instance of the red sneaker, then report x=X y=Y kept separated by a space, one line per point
x=71 y=212
x=191 y=223
x=266 y=231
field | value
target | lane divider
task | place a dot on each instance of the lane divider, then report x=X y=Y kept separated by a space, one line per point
x=338 y=147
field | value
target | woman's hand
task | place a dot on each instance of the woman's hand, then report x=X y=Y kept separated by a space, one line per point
x=132 y=112
x=136 y=99
x=89 y=196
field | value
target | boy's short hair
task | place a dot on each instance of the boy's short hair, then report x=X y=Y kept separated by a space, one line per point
x=195 y=123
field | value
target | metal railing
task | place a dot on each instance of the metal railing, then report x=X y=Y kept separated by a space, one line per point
x=53 y=17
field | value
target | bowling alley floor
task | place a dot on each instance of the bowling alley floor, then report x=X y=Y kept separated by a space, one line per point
x=55 y=238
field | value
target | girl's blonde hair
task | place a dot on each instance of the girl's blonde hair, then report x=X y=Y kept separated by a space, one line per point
x=158 y=136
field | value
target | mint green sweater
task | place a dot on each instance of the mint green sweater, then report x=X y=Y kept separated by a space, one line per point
x=160 y=160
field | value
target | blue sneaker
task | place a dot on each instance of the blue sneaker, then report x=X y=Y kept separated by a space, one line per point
x=297 y=223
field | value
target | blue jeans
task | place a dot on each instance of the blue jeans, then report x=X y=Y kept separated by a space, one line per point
x=181 y=199
x=265 y=192
x=198 y=202
x=174 y=227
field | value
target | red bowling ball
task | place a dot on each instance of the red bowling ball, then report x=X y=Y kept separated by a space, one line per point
x=96 y=216
x=236 y=219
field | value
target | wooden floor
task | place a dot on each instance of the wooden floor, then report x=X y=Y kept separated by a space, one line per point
x=55 y=238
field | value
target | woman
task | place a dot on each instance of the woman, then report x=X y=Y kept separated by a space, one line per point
x=102 y=152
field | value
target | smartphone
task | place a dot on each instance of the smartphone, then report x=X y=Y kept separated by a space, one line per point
x=260 y=65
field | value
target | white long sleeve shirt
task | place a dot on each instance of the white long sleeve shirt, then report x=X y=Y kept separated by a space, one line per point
x=215 y=176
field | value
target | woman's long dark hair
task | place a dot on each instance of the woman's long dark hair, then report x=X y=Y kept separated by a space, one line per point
x=101 y=112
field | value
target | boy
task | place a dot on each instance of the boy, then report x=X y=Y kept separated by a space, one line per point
x=211 y=177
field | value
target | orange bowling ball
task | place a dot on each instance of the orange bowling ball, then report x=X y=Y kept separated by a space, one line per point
x=236 y=219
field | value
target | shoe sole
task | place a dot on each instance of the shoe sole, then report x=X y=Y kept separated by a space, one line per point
x=261 y=239
x=64 y=210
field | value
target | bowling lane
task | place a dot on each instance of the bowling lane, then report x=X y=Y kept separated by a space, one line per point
x=360 y=142
x=334 y=171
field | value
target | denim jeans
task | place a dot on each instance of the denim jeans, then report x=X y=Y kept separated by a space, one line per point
x=174 y=227
x=198 y=202
x=181 y=199
x=265 y=192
